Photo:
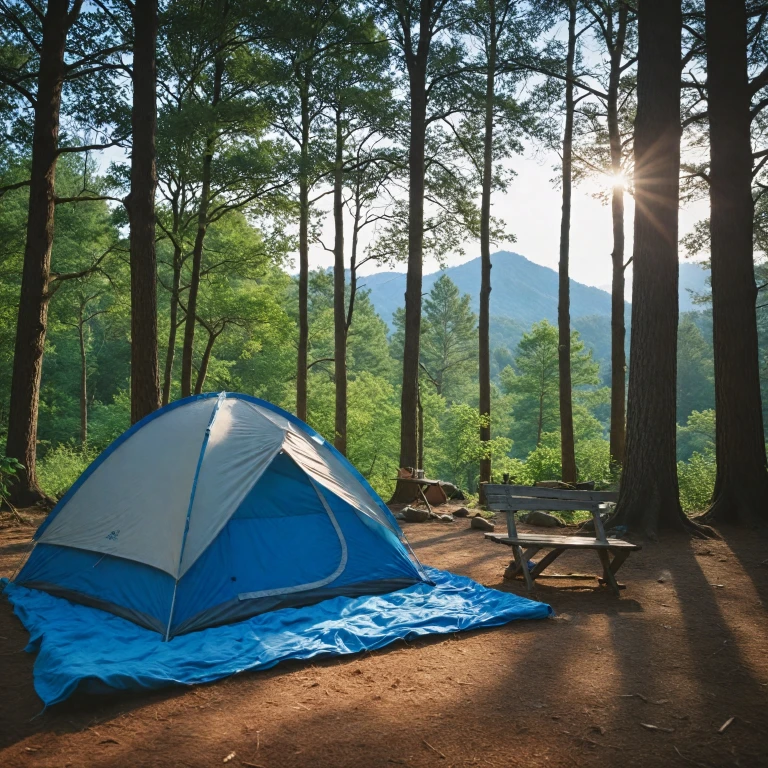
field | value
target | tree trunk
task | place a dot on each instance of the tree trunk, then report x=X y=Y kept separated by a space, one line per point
x=140 y=204
x=618 y=330
x=83 y=380
x=648 y=498
x=484 y=328
x=197 y=252
x=203 y=370
x=420 y=462
x=741 y=485
x=301 y=365
x=339 y=301
x=174 y=324
x=409 y=448
x=33 y=303
x=568 y=458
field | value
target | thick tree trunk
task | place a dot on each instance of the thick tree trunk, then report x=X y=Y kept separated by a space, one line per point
x=484 y=329
x=188 y=348
x=301 y=364
x=618 y=330
x=33 y=303
x=140 y=204
x=339 y=301
x=174 y=324
x=567 y=449
x=741 y=486
x=648 y=498
x=203 y=370
x=409 y=448
x=83 y=381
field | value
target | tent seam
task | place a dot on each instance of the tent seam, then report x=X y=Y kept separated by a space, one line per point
x=211 y=421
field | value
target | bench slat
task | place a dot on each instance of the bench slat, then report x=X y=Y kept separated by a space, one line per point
x=505 y=491
x=565 y=542
x=517 y=503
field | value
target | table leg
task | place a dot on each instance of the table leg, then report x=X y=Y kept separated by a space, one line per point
x=546 y=561
x=607 y=572
x=618 y=559
x=424 y=499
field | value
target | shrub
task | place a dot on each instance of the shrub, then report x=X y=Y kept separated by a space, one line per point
x=61 y=466
x=697 y=481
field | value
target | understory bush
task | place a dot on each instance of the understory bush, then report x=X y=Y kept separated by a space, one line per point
x=61 y=466
x=697 y=481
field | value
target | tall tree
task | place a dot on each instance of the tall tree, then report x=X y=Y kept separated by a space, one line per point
x=33 y=305
x=417 y=27
x=494 y=24
x=140 y=204
x=63 y=44
x=648 y=498
x=741 y=485
x=567 y=446
x=613 y=21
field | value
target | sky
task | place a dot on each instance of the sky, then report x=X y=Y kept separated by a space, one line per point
x=531 y=209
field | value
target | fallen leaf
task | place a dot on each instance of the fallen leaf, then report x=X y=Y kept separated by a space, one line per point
x=726 y=724
x=651 y=727
x=109 y=741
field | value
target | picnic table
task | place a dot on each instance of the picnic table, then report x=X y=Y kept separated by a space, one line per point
x=421 y=483
x=511 y=499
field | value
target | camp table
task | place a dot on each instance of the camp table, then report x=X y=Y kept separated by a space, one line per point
x=421 y=483
x=511 y=499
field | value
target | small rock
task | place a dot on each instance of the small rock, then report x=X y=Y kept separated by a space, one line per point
x=482 y=524
x=414 y=515
x=661 y=581
x=461 y=512
x=542 y=519
x=399 y=516
x=445 y=518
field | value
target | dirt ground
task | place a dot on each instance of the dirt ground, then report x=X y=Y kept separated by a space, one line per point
x=685 y=649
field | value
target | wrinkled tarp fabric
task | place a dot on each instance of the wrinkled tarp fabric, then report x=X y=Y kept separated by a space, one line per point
x=97 y=651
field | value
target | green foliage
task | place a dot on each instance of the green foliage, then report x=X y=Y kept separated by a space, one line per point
x=9 y=468
x=61 y=466
x=533 y=383
x=697 y=436
x=696 y=478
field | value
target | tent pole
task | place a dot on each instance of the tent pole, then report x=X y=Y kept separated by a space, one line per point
x=219 y=400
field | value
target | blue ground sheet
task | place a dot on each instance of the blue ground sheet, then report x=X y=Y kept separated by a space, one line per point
x=84 y=647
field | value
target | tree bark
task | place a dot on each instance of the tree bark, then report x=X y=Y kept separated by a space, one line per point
x=339 y=301
x=301 y=365
x=409 y=432
x=568 y=458
x=187 y=352
x=618 y=329
x=648 y=498
x=33 y=303
x=140 y=204
x=203 y=370
x=174 y=324
x=741 y=485
x=83 y=380
x=484 y=328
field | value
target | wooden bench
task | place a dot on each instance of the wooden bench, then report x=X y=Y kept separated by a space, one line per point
x=511 y=499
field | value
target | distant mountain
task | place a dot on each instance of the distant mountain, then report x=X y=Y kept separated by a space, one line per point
x=524 y=293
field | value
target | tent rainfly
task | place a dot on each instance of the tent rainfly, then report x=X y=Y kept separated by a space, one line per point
x=214 y=509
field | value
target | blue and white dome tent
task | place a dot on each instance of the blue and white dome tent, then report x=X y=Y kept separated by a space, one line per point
x=213 y=509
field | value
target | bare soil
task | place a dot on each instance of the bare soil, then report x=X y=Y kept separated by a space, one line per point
x=649 y=679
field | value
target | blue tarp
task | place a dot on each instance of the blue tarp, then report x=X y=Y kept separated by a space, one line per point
x=97 y=651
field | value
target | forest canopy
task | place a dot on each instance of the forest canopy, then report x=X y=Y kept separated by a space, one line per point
x=165 y=169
